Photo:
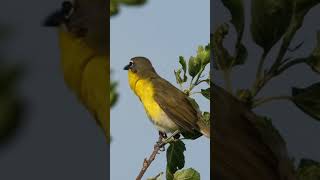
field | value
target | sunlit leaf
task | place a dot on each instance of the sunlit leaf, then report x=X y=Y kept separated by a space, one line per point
x=187 y=174
x=194 y=66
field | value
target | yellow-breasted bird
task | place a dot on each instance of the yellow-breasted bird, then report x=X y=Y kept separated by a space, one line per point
x=168 y=108
x=83 y=39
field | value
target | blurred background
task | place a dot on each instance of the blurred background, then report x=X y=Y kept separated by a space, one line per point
x=161 y=31
x=54 y=136
x=299 y=130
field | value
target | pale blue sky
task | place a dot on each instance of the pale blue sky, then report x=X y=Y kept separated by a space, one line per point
x=161 y=31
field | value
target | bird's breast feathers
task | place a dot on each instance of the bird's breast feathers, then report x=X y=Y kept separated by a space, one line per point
x=145 y=91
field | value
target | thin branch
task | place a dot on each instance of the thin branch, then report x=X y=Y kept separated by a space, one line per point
x=157 y=147
x=261 y=101
x=290 y=64
x=261 y=63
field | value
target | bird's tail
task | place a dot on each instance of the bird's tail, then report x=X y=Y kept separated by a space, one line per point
x=204 y=128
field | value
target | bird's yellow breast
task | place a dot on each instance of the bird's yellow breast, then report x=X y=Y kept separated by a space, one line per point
x=143 y=88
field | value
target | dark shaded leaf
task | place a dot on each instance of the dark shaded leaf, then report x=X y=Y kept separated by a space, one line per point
x=244 y=144
x=222 y=59
x=178 y=77
x=314 y=59
x=236 y=9
x=308 y=100
x=175 y=158
x=206 y=93
x=269 y=21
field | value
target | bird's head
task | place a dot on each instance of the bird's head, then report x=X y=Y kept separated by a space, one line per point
x=140 y=66
x=60 y=16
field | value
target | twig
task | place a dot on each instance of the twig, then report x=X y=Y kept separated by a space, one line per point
x=156 y=149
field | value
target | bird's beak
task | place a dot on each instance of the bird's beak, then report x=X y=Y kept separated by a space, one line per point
x=127 y=67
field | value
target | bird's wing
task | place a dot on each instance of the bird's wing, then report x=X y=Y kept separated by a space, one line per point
x=175 y=104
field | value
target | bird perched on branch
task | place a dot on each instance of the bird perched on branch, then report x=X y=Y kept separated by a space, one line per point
x=168 y=108
x=83 y=39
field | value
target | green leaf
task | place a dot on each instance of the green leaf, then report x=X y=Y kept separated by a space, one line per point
x=187 y=174
x=237 y=13
x=300 y=9
x=113 y=93
x=314 y=60
x=206 y=93
x=222 y=59
x=184 y=67
x=194 y=66
x=269 y=21
x=178 y=77
x=203 y=55
x=206 y=117
x=308 y=170
x=236 y=9
x=114 y=7
x=175 y=158
x=308 y=100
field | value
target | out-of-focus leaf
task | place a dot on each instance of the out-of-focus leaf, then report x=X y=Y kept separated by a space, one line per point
x=308 y=170
x=206 y=93
x=194 y=66
x=269 y=21
x=300 y=9
x=222 y=59
x=113 y=93
x=175 y=158
x=308 y=100
x=237 y=13
x=187 y=174
x=114 y=7
x=236 y=9
x=314 y=60
x=132 y=2
x=10 y=103
x=244 y=144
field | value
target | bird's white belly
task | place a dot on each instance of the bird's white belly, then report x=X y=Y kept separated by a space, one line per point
x=164 y=123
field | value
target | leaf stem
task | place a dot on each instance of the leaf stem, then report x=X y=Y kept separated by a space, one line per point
x=227 y=79
x=261 y=101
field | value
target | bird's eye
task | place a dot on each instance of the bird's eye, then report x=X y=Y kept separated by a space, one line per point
x=131 y=63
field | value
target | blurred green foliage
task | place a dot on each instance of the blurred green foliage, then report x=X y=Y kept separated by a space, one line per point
x=10 y=102
x=272 y=22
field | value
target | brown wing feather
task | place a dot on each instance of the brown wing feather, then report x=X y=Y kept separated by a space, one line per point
x=176 y=105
